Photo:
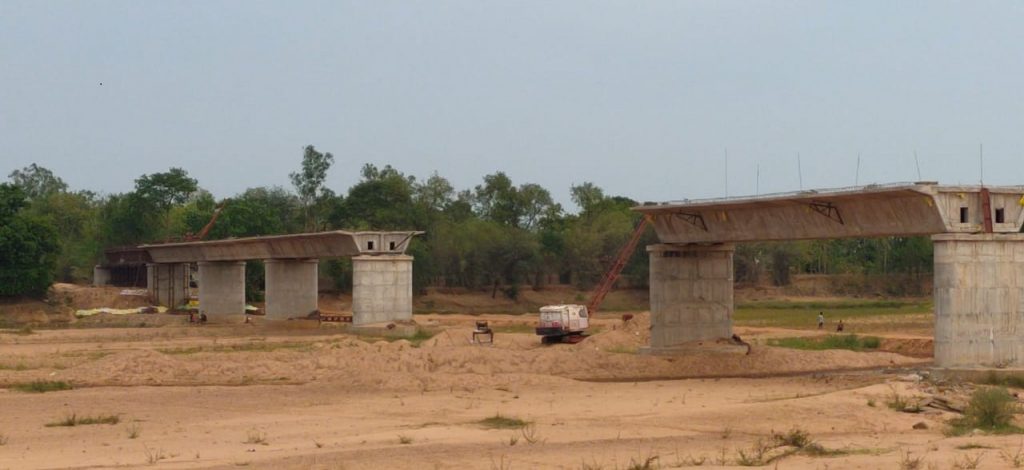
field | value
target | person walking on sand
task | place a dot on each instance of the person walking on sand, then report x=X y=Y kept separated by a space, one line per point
x=821 y=320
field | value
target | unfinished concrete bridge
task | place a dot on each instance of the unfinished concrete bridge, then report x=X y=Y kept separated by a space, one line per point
x=978 y=256
x=381 y=278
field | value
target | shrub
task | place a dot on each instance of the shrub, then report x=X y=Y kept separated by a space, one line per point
x=502 y=422
x=991 y=408
x=42 y=386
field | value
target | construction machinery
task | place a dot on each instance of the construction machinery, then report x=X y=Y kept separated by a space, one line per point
x=567 y=323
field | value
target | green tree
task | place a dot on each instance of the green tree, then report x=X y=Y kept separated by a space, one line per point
x=309 y=183
x=37 y=182
x=381 y=200
x=28 y=247
x=166 y=189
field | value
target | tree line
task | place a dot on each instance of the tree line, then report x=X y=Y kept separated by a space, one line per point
x=498 y=235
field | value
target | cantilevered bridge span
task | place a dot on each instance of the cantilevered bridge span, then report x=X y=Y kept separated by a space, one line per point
x=381 y=286
x=979 y=258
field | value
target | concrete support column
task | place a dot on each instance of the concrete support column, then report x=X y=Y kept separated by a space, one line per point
x=100 y=276
x=291 y=288
x=168 y=283
x=979 y=300
x=381 y=288
x=691 y=293
x=222 y=291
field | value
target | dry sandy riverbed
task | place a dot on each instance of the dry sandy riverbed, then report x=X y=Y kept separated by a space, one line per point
x=219 y=397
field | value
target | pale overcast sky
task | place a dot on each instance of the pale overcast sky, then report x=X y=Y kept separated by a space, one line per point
x=641 y=98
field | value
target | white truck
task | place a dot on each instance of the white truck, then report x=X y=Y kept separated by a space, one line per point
x=562 y=323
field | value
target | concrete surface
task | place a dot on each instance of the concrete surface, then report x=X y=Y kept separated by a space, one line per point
x=333 y=244
x=222 y=291
x=168 y=283
x=381 y=289
x=100 y=275
x=691 y=294
x=907 y=209
x=979 y=300
x=291 y=288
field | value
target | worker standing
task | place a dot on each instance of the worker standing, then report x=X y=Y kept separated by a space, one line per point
x=821 y=320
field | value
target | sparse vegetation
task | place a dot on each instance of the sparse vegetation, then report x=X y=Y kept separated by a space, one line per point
x=255 y=436
x=1014 y=459
x=42 y=386
x=643 y=463
x=991 y=409
x=153 y=455
x=502 y=422
x=403 y=439
x=74 y=420
x=529 y=432
x=622 y=349
x=898 y=402
x=253 y=346
x=850 y=342
x=420 y=336
x=909 y=462
x=795 y=437
x=967 y=461
x=1004 y=380
x=973 y=445
x=503 y=463
x=134 y=430
x=801 y=315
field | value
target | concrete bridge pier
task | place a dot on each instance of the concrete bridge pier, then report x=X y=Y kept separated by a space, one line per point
x=979 y=300
x=168 y=283
x=222 y=291
x=291 y=288
x=381 y=288
x=100 y=276
x=691 y=293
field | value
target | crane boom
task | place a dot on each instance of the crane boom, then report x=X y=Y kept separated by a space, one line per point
x=209 y=225
x=616 y=268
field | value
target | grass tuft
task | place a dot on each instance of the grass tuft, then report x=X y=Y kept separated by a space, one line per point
x=74 y=420
x=42 y=386
x=502 y=422
x=255 y=436
x=134 y=430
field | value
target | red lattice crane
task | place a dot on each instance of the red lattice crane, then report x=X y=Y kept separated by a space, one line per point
x=616 y=268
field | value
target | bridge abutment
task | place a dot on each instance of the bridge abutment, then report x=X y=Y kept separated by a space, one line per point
x=381 y=289
x=979 y=300
x=291 y=288
x=691 y=288
x=222 y=291
x=168 y=283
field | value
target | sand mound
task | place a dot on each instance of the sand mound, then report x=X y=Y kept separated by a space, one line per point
x=86 y=297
